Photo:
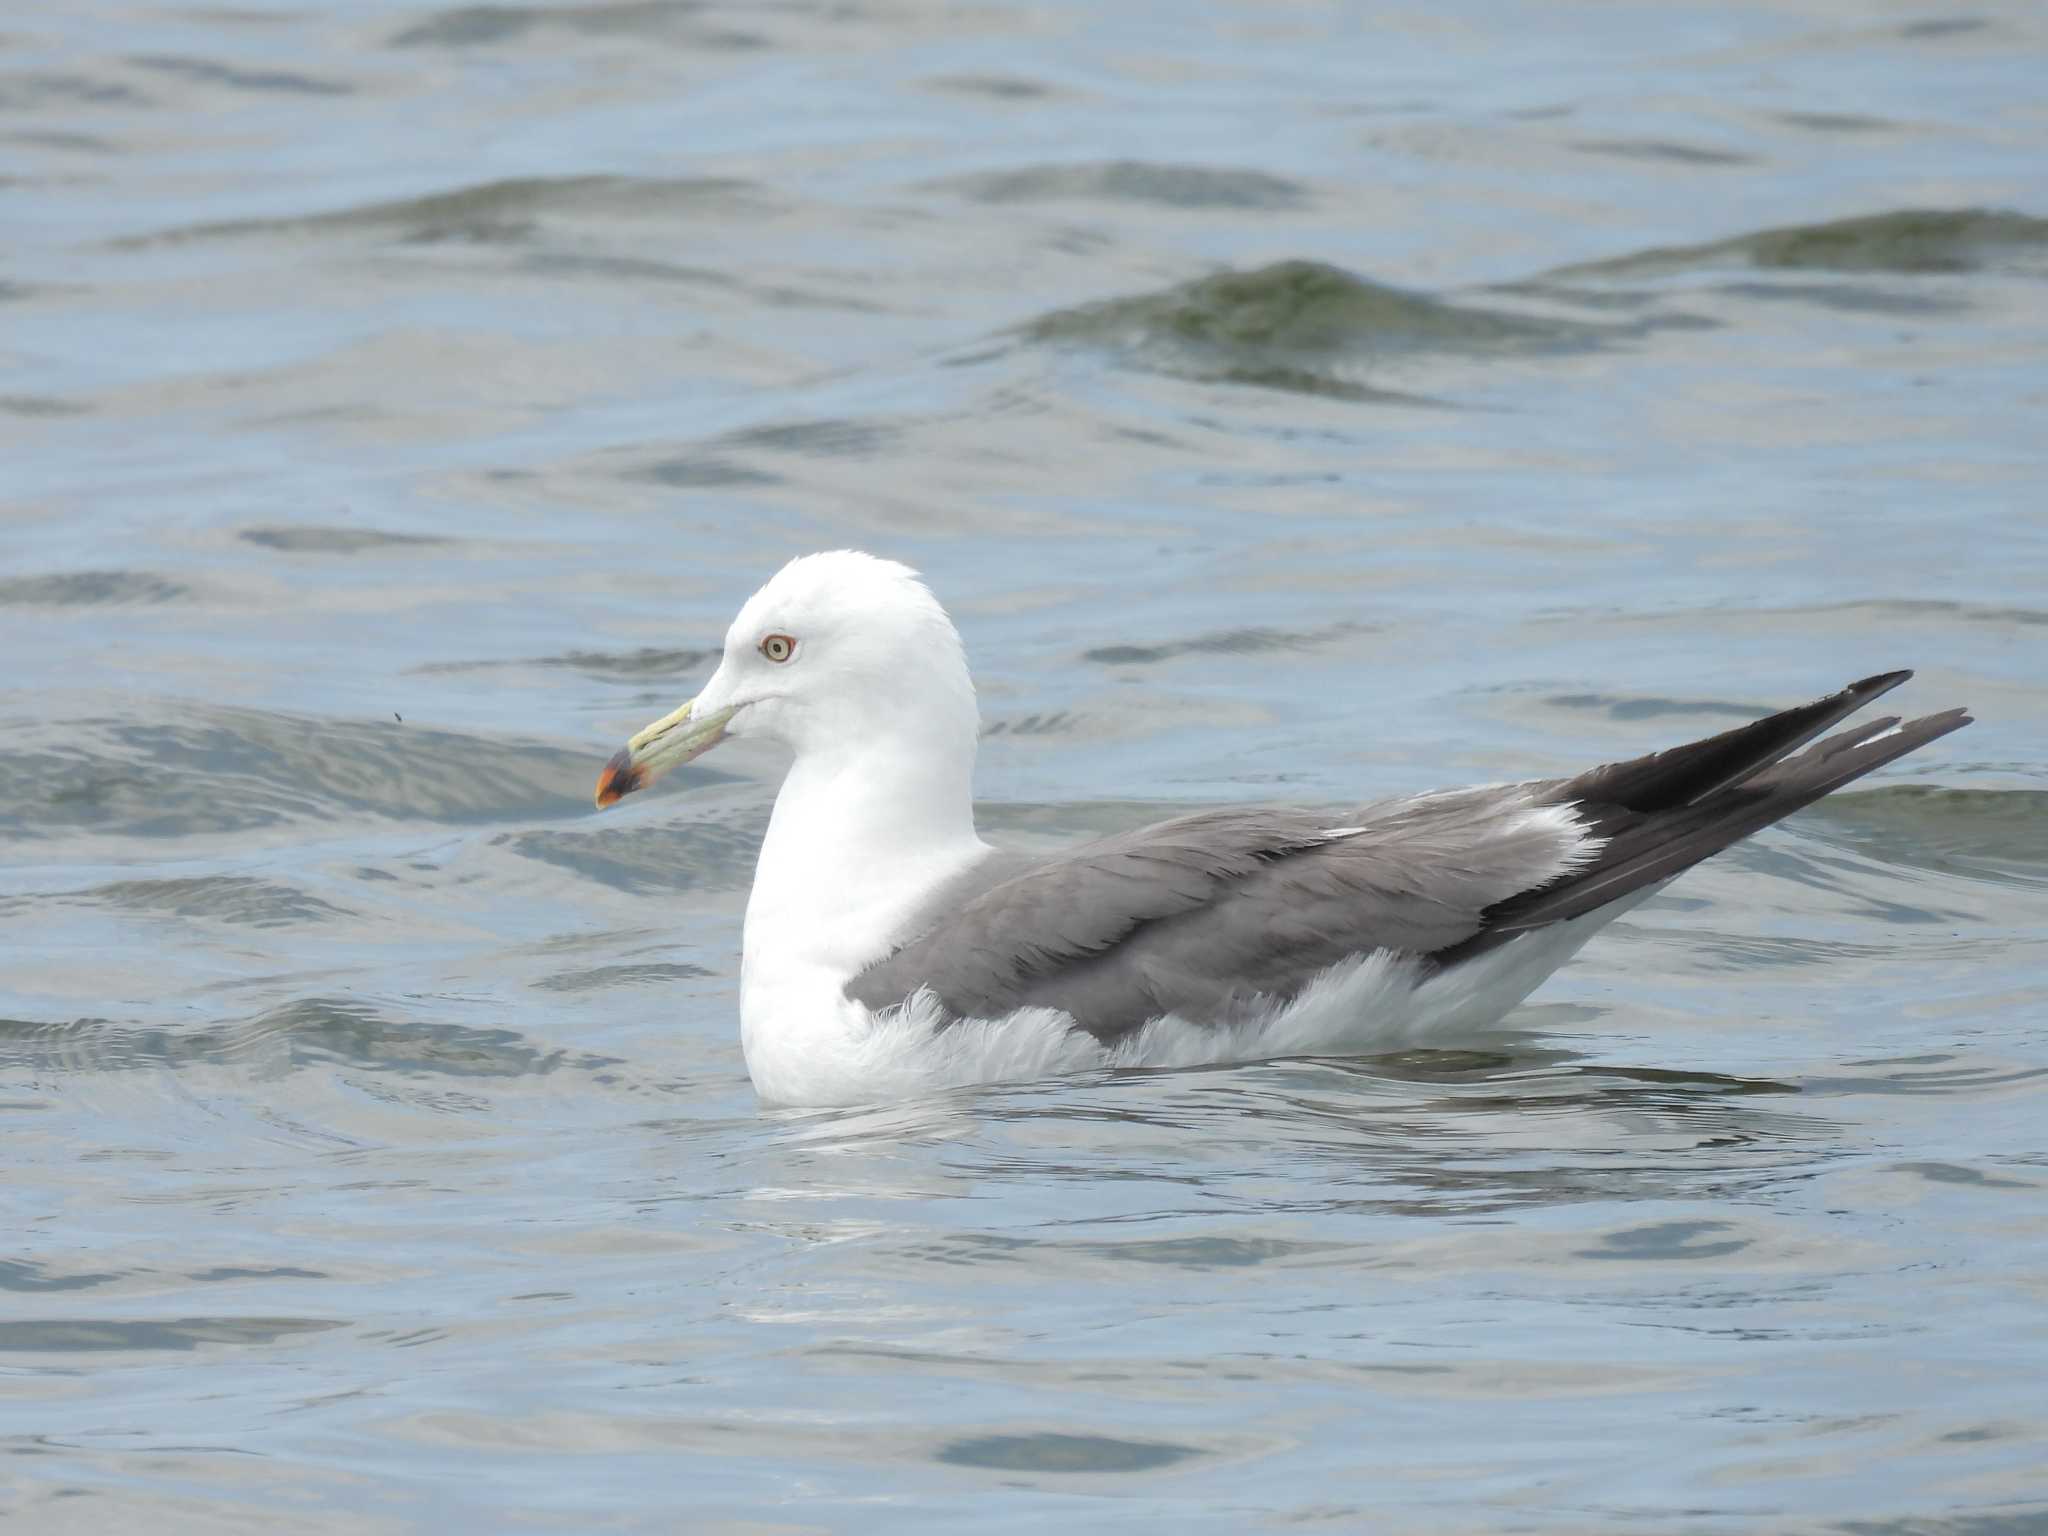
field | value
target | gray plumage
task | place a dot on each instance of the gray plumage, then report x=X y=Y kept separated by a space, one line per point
x=1215 y=915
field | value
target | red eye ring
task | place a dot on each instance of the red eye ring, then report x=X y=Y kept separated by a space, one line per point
x=778 y=648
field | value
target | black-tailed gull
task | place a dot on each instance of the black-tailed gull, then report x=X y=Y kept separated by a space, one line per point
x=890 y=951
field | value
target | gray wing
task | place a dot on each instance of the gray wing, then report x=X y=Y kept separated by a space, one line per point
x=1208 y=915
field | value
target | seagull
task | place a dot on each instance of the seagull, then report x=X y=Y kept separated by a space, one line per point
x=890 y=952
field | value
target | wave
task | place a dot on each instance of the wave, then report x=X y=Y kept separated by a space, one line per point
x=307 y=1032
x=71 y=589
x=1309 y=327
x=195 y=769
x=1988 y=832
x=492 y=212
x=1132 y=181
x=1907 y=241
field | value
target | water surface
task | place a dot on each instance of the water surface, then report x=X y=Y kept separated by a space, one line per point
x=1306 y=403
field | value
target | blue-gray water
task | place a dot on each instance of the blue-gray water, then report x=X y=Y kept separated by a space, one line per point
x=1291 y=401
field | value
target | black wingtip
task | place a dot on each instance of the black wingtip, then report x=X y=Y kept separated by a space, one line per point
x=1684 y=774
x=1878 y=683
x=1650 y=843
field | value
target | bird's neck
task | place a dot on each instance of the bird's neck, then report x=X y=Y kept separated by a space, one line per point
x=855 y=846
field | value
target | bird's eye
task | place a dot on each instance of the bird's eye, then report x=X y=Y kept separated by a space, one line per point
x=778 y=647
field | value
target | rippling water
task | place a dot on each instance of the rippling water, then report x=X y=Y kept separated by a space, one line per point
x=1301 y=402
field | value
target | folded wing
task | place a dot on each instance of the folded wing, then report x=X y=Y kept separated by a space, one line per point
x=1212 y=915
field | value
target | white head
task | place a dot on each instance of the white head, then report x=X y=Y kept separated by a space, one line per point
x=839 y=655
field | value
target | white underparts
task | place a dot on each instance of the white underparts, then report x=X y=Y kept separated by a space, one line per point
x=1369 y=1003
